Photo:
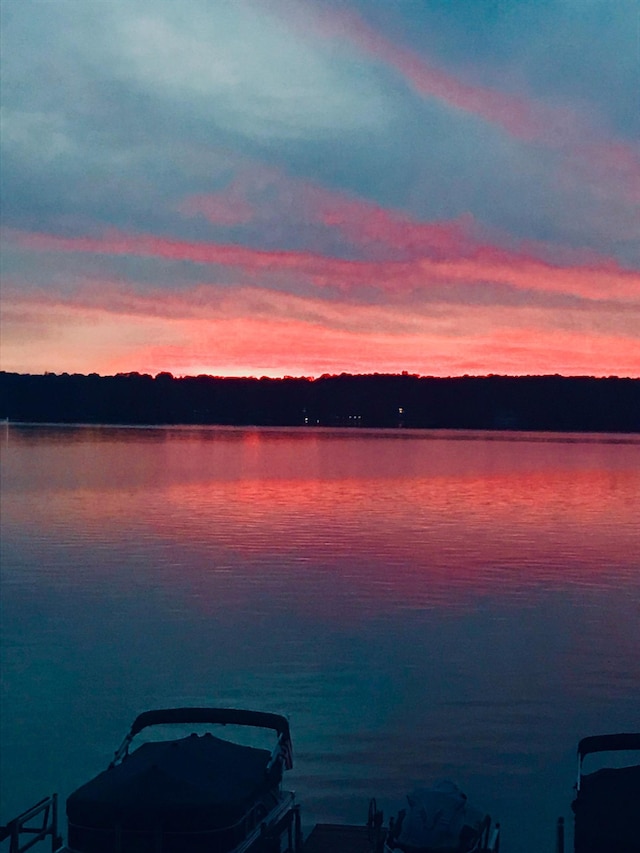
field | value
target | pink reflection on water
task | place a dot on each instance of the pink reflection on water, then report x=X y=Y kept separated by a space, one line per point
x=338 y=526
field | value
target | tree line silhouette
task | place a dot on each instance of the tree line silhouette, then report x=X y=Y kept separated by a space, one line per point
x=554 y=403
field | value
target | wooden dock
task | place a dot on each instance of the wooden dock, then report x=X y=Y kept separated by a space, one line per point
x=337 y=838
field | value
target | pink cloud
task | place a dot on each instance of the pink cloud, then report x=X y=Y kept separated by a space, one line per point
x=278 y=201
x=272 y=202
x=265 y=346
x=224 y=208
x=439 y=254
x=369 y=225
x=519 y=115
x=277 y=198
x=610 y=168
x=107 y=327
x=610 y=165
x=244 y=198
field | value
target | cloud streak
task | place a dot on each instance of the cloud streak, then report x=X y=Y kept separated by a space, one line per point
x=588 y=154
x=280 y=340
x=461 y=262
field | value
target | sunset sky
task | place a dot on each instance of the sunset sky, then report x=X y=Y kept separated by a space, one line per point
x=299 y=187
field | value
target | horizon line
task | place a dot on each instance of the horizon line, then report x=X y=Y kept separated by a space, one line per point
x=168 y=375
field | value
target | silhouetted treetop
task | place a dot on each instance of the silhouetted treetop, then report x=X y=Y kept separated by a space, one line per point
x=557 y=403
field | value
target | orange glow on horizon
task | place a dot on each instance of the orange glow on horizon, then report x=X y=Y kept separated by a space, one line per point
x=446 y=301
x=288 y=340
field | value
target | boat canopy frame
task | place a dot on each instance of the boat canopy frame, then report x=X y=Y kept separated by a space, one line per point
x=622 y=742
x=208 y=716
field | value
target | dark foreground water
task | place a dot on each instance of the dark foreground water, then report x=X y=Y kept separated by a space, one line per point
x=420 y=605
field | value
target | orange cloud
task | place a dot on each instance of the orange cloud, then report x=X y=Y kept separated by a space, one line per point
x=253 y=332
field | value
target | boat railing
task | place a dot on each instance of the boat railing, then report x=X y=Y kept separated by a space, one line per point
x=33 y=826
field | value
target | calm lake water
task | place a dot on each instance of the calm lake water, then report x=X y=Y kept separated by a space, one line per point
x=420 y=605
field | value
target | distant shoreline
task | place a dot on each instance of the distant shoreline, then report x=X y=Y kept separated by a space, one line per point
x=534 y=404
x=445 y=434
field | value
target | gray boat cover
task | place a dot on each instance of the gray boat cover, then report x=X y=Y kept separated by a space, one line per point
x=439 y=819
x=196 y=783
